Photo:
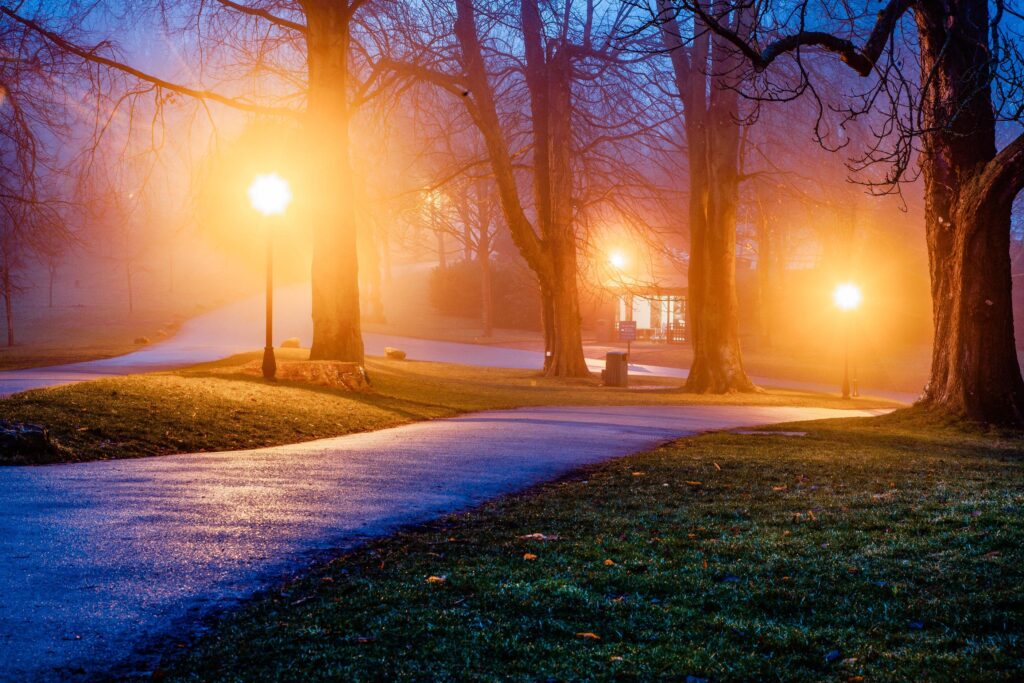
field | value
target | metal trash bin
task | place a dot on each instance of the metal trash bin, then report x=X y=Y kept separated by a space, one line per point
x=616 y=369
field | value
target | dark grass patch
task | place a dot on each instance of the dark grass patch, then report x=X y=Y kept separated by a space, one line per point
x=859 y=552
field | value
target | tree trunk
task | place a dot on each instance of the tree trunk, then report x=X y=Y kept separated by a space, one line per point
x=568 y=359
x=53 y=278
x=8 y=307
x=336 y=325
x=712 y=134
x=765 y=279
x=566 y=339
x=442 y=254
x=483 y=256
x=551 y=254
x=131 y=288
x=975 y=371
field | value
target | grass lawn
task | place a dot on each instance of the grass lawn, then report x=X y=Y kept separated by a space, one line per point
x=216 y=406
x=867 y=550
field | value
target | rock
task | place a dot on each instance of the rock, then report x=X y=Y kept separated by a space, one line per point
x=325 y=373
x=291 y=343
x=393 y=353
x=22 y=444
x=141 y=341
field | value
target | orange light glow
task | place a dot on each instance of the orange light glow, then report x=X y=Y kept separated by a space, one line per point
x=270 y=194
x=847 y=296
x=617 y=259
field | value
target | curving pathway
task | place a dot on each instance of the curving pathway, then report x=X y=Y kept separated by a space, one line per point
x=100 y=560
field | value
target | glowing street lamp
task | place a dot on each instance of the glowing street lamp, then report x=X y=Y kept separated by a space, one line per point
x=847 y=297
x=270 y=195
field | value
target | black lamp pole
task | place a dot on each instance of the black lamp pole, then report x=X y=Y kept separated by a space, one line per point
x=269 y=362
x=846 y=359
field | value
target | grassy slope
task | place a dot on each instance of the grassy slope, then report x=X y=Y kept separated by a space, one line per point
x=867 y=550
x=216 y=407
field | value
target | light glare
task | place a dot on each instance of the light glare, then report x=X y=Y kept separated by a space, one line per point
x=270 y=194
x=617 y=259
x=847 y=296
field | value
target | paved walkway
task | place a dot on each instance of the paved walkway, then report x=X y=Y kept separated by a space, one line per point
x=101 y=558
x=238 y=328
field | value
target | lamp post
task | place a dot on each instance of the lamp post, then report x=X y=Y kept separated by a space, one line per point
x=270 y=195
x=847 y=298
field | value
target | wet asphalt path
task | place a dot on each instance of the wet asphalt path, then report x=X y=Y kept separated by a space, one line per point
x=97 y=559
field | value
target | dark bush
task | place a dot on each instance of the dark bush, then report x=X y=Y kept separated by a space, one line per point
x=455 y=291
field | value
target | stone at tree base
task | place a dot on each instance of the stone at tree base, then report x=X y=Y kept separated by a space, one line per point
x=22 y=443
x=291 y=343
x=393 y=353
x=324 y=373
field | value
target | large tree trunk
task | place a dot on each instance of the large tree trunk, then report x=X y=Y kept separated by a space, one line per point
x=566 y=343
x=712 y=135
x=551 y=254
x=567 y=358
x=975 y=371
x=717 y=359
x=336 y=326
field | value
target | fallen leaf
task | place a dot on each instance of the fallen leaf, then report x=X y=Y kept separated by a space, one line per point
x=717 y=466
x=588 y=635
x=780 y=488
x=694 y=483
x=529 y=556
x=437 y=579
x=615 y=658
x=538 y=537
x=609 y=563
x=639 y=474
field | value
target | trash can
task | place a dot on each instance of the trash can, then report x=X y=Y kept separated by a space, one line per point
x=616 y=369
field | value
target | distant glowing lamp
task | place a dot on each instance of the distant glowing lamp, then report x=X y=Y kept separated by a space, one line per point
x=617 y=259
x=270 y=194
x=847 y=297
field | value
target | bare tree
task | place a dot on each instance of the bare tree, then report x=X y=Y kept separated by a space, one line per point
x=969 y=78
x=31 y=175
x=304 y=50
x=705 y=70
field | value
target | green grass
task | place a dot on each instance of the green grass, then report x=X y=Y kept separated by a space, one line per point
x=217 y=407
x=872 y=550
